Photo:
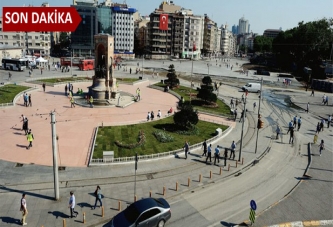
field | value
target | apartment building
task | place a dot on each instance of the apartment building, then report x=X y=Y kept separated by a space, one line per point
x=228 y=41
x=272 y=33
x=211 y=38
x=123 y=30
x=141 y=35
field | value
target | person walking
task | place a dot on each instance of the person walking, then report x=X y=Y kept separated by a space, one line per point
x=217 y=155
x=322 y=122
x=324 y=100
x=278 y=131
x=299 y=122
x=159 y=114
x=23 y=209
x=235 y=114
x=225 y=156
x=321 y=147
x=290 y=126
x=148 y=116
x=152 y=115
x=312 y=92
x=66 y=89
x=186 y=148
x=291 y=139
x=232 y=105
x=254 y=106
x=43 y=87
x=72 y=102
x=295 y=121
x=204 y=145
x=71 y=205
x=29 y=100
x=329 y=120
x=25 y=126
x=209 y=153
x=315 y=138
x=318 y=128
x=91 y=101
x=98 y=197
x=138 y=94
x=307 y=107
x=232 y=151
x=30 y=138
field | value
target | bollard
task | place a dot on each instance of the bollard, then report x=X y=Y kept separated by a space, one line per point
x=210 y=174
x=188 y=182
x=200 y=176
x=242 y=161
x=102 y=212
x=63 y=222
x=236 y=163
x=135 y=198
x=220 y=170
x=163 y=191
x=84 y=217
x=176 y=186
x=149 y=194
x=119 y=205
x=228 y=167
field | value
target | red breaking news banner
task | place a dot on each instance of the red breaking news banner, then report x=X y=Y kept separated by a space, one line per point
x=163 y=21
x=48 y=19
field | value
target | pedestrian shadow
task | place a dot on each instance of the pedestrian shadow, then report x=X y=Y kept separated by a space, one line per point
x=228 y=224
x=21 y=146
x=58 y=214
x=4 y=188
x=10 y=220
x=82 y=205
x=18 y=133
x=18 y=129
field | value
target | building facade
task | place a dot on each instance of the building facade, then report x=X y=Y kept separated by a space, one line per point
x=211 y=38
x=123 y=30
x=243 y=26
x=228 y=41
x=272 y=33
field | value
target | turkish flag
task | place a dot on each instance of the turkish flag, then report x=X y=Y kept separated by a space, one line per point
x=163 y=21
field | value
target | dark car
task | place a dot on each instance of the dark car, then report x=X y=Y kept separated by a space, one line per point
x=149 y=212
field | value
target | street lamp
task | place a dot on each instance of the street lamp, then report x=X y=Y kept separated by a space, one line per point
x=72 y=62
x=191 y=81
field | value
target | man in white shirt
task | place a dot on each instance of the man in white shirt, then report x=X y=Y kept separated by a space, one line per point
x=23 y=209
x=71 y=205
x=217 y=155
x=329 y=121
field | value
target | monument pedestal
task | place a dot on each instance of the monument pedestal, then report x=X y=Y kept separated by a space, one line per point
x=99 y=91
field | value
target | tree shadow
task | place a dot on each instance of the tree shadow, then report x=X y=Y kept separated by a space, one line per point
x=169 y=127
x=58 y=214
x=11 y=220
x=27 y=193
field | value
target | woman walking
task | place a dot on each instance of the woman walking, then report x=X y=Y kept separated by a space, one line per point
x=98 y=197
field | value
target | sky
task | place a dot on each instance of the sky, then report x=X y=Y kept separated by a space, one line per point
x=261 y=14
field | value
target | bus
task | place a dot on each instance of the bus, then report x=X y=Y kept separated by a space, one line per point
x=87 y=64
x=66 y=61
x=14 y=64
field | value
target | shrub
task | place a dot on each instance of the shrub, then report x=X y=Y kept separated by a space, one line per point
x=163 y=137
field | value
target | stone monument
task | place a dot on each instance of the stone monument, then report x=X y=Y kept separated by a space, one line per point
x=104 y=84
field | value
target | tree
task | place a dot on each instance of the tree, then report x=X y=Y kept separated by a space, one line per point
x=186 y=117
x=172 y=77
x=305 y=45
x=206 y=90
x=262 y=44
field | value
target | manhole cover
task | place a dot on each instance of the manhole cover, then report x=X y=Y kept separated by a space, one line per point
x=150 y=176
x=18 y=165
x=61 y=168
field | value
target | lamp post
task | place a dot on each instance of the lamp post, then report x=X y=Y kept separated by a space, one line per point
x=191 y=81
x=241 y=141
x=72 y=62
x=260 y=97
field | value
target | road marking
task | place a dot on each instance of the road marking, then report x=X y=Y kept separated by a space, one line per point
x=304 y=223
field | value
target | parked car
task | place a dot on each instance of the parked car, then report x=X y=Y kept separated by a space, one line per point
x=145 y=212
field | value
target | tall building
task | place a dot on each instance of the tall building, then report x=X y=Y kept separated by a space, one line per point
x=123 y=29
x=243 y=26
x=141 y=35
x=235 y=29
x=82 y=39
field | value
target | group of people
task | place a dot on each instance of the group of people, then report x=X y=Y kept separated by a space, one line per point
x=325 y=100
x=27 y=131
x=151 y=115
x=27 y=100
x=69 y=89
x=207 y=151
x=71 y=204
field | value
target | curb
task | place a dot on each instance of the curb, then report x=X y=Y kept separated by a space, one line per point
x=304 y=223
